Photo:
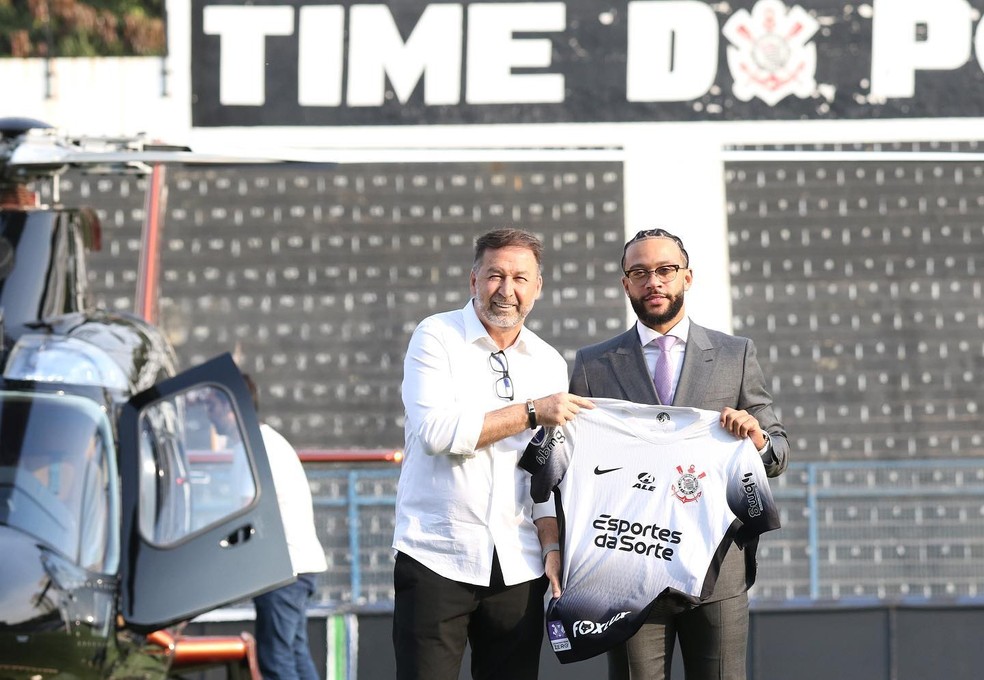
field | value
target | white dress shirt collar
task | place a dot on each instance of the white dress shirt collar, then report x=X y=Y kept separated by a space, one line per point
x=681 y=331
x=475 y=331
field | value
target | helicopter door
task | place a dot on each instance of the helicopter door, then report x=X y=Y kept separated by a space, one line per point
x=201 y=526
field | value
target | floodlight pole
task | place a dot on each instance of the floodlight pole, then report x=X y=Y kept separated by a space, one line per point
x=148 y=269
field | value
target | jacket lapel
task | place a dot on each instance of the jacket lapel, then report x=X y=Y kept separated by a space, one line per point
x=629 y=369
x=698 y=368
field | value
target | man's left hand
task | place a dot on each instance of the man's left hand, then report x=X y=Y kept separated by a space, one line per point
x=743 y=424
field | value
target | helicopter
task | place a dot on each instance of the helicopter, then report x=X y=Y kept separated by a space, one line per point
x=123 y=514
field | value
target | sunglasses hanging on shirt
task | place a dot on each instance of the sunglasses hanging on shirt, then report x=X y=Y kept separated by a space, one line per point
x=504 y=385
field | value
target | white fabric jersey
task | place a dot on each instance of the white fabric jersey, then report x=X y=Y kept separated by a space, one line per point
x=307 y=555
x=651 y=499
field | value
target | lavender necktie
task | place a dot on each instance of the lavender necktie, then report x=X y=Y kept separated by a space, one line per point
x=663 y=375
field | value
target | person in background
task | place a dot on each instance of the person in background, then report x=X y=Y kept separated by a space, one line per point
x=281 y=615
x=469 y=553
x=665 y=358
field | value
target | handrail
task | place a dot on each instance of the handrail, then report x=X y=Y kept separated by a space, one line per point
x=201 y=652
x=310 y=455
x=351 y=455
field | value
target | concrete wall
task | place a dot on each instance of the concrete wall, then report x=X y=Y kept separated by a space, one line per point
x=880 y=642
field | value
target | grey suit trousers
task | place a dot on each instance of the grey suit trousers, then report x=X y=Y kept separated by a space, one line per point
x=713 y=639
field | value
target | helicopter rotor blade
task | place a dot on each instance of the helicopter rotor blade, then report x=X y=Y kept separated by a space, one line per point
x=46 y=152
x=30 y=157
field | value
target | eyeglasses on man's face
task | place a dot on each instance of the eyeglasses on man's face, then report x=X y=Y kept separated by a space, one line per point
x=666 y=274
x=503 y=386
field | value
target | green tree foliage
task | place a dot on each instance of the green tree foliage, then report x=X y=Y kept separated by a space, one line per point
x=77 y=28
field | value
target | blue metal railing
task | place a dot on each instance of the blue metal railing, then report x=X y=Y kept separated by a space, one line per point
x=816 y=485
x=816 y=492
x=352 y=503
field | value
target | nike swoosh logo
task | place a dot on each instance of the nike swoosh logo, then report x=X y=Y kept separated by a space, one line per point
x=599 y=471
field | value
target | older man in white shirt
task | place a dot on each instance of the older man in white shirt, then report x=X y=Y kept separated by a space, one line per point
x=469 y=565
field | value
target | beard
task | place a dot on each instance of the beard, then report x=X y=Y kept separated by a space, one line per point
x=499 y=317
x=653 y=319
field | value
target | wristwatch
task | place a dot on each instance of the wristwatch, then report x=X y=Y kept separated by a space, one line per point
x=531 y=413
x=768 y=443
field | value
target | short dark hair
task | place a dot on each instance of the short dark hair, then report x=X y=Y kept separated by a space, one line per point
x=254 y=393
x=506 y=238
x=656 y=233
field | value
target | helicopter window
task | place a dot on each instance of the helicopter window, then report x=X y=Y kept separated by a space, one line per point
x=165 y=497
x=224 y=463
x=165 y=500
x=99 y=543
x=195 y=470
x=58 y=483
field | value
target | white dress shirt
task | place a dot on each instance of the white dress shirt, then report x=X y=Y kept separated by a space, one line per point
x=456 y=504
x=307 y=555
x=651 y=350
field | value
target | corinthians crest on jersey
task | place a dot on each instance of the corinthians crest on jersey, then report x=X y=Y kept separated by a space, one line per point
x=687 y=486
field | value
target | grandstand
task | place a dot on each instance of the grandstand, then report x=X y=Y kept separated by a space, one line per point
x=318 y=277
x=859 y=281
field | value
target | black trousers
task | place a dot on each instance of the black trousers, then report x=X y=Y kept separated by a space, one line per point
x=434 y=617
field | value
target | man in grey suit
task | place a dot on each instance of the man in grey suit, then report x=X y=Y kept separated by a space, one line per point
x=699 y=368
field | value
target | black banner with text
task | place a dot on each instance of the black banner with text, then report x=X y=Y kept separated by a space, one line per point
x=418 y=62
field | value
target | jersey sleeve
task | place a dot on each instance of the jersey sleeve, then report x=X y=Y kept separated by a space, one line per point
x=546 y=458
x=750 y=497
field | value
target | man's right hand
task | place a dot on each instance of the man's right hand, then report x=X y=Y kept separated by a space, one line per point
x=560 y=408
x=554 y=410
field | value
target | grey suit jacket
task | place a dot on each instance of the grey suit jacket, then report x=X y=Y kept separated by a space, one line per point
x=718 y=370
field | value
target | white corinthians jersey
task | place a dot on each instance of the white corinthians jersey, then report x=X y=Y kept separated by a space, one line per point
x=650 y=499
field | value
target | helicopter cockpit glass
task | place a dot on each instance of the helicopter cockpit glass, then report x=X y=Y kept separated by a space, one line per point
x=58 y=359
x=195 y=470
x=58 y=478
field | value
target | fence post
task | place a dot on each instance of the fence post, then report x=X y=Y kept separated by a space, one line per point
x=353 y=527
x=813 y=531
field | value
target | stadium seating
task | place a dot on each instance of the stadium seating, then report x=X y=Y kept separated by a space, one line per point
x=858 y=280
